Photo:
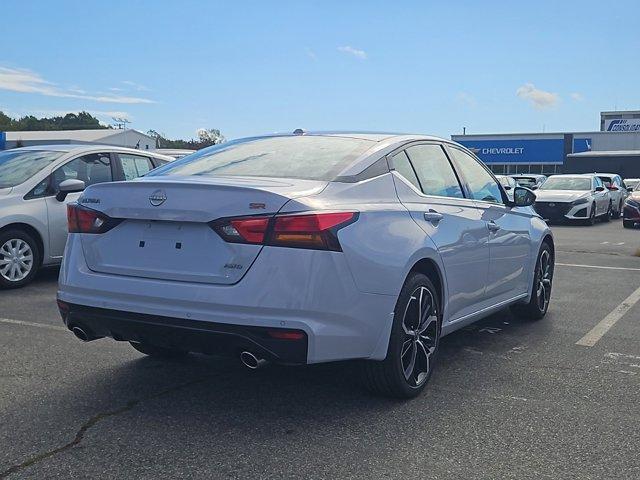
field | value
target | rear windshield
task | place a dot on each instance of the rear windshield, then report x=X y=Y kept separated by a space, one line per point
x=567 y=183
x=305 y=157
x=526 y=181
x=606 y=180
x=18 y=166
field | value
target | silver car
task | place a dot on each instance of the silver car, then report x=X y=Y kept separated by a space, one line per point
x=574 y=198
x=36 y=183
x=306 y=248
x=617 y=191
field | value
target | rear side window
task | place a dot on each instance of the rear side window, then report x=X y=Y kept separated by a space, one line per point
x=480 y=182
x=404 y=168
x=306 y=157
x=134 y=166
x=434 y=171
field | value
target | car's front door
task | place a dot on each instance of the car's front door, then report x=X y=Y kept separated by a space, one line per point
x=602 y=197
x=509 y=237
x=91 y=168
x=428 y=186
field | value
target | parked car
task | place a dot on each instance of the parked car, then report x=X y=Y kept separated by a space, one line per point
x=306 y=248
x=175 y=153
x=573 y=197
x=617 y=191
x=35 y=185
x=632 y=184
x=631 y=210
x=508 y=183
x=529 y=180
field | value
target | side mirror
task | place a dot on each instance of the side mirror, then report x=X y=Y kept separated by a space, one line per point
x=69 y=186
x=599 y=189
x=523 y=197
x=507 y=187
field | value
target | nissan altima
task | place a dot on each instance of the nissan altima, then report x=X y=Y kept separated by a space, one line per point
x=574 y=197
x=306 y=248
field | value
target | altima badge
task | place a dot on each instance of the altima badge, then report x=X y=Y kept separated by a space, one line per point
x=157 y=198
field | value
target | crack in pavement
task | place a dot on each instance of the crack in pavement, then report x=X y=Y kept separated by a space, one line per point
x=93 y=421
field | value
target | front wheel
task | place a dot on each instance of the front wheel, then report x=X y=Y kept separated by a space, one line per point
x=627 y=223
x=19 y=258
x=413 y=344
x=538 y=305
x=592 y=216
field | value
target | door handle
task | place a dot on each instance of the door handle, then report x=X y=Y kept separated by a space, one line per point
x=493 y=226
x=433 y=216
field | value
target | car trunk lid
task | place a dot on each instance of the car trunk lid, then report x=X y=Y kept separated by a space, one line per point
x=165 y=233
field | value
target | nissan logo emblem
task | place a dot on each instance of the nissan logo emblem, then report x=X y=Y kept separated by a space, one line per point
x=157 y=198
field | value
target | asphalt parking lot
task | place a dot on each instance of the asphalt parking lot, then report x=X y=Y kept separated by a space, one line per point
x=510 y=399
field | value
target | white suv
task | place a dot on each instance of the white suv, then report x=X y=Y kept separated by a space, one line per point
x=36 y=183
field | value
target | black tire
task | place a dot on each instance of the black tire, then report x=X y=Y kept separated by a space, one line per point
x=627 y=223
x=18 y=237
x=592 y=216
x=410 y=350
x=536 y=309
x=158 y=352
x=607 y=216
x=618 y=213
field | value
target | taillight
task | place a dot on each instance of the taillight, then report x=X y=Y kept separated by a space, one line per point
x=85 y=220
x=316 y=231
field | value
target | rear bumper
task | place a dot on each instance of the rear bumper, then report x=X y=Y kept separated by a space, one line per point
x=202 y=337
x=294 y=289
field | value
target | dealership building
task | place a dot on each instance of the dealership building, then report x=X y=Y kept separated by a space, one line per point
x=614 y=148
x=105 y=136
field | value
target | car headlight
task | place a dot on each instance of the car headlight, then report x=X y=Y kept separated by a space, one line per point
x=632 y=203
x=580 y=201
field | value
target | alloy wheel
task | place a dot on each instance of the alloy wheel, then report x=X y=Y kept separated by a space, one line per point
x=16 y=260
x=420 y=325
x=544 y=276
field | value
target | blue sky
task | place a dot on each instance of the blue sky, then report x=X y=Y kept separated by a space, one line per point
x=258 y=67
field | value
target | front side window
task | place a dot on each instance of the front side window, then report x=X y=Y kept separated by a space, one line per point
x=434 y=171
x=306 y=157
x=18 y=166
x=480 y=183
x=91 y=169
x=134 y=166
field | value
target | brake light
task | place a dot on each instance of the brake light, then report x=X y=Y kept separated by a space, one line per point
x=281 y=334
x=613 y=187
x=85 y=220
x=310 y=230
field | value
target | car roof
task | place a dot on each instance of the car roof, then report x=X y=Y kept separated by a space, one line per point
x=79 y=148
x=600 y=174
x=581 y=175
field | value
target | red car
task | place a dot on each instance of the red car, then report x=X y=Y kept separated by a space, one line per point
x=631 y=212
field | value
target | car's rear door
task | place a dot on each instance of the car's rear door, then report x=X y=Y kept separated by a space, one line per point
x=429 y=188
x=509 y=237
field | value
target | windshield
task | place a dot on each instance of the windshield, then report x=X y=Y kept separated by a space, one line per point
x=567 y=183
x=632 y=183
x=305 y=157
x=526 y=181
x=18 y=166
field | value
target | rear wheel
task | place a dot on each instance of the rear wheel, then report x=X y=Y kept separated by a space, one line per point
x=413 y=345
x=19 y=258
x=538 y=305
x=607 y=216
x=158 y=352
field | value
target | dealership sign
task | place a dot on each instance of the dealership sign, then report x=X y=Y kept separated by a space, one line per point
x=544 y=150
x=622 y=125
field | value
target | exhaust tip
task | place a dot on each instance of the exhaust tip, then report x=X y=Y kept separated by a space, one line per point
x=81 y=334
x=251 y=361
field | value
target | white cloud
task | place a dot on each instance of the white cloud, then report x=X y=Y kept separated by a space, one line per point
x=466 y=99
x=538 y=98
x=361 y=54
x=26 y=81
x=135 y=86
x=577 y=97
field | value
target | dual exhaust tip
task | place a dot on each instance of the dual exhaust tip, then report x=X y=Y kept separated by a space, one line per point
x=252 y=361
x=248 y=359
